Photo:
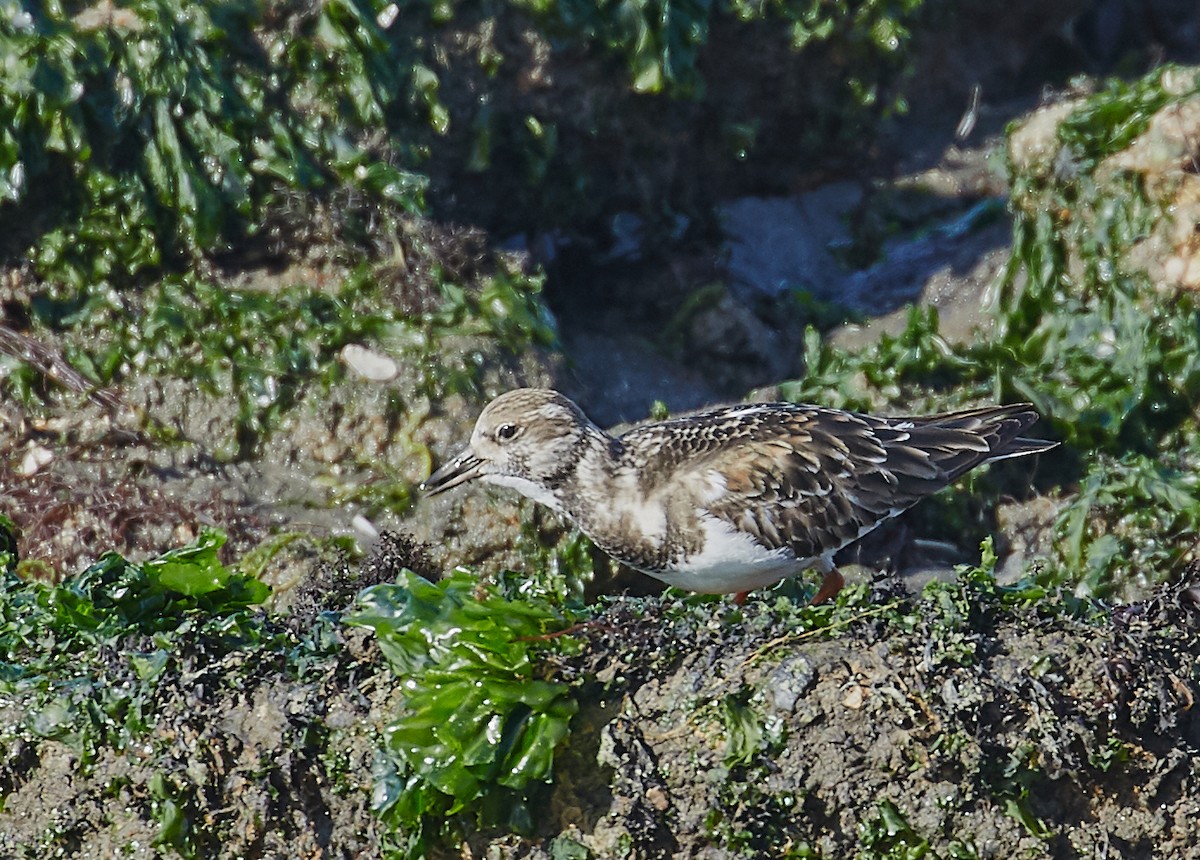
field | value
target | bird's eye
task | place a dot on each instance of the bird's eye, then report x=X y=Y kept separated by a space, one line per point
x=506 y=431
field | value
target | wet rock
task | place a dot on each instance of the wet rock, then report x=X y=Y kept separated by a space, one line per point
x=616 y=378
x=791 y=680
x=1027 y=529
x=729 y=345
x=778 y=245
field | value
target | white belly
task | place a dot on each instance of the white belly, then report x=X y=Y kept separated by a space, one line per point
x=731 y=561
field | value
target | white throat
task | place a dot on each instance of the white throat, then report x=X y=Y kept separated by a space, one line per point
x=527 y=488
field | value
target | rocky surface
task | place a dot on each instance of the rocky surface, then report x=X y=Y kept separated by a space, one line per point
x=964 y=722
x=1015 y=732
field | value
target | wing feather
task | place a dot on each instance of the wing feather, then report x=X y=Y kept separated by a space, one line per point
x=813 y=479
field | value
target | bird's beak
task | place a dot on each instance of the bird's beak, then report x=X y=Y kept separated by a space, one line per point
x=465 y=467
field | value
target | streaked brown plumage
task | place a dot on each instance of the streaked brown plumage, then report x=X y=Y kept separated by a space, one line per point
x=734 y=498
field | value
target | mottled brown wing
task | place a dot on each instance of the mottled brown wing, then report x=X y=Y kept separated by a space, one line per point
x=817 y=482
x=813 y=479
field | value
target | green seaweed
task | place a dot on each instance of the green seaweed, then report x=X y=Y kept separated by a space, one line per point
x=169 y=807
x=56 y=640
x=661 y=40
x=264 y=349
x=168 y=130
x=887 y=834
x=479 y=725
x=1134 y=520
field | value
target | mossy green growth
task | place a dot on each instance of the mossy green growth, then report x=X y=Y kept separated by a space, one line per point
x=917 y=367
x=167 y=130
x=480 y=721
x=749 y=821
x=58 y=643
x=956 y=617
x=1134 y=519
x=661 y=40
x=1112 y=360
x=263 y=348
x=259 y=348
x=506 y=306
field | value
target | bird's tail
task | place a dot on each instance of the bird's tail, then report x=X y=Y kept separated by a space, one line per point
x=996 y=427
x=1020 y=447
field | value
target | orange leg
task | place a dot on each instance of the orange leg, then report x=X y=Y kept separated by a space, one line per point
x=830 y=586
x=740 y=597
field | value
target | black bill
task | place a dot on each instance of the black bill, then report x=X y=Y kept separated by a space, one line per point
x=461 y=469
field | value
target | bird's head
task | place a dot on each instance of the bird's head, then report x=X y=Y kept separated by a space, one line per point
x=527 y=439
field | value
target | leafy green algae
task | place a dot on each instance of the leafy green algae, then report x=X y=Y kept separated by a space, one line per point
x=479 y=725
x=165 y=131
x=57 y=641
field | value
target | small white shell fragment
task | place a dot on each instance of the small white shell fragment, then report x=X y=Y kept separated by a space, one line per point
x=854 y=697
x=35 y=457
x=387 y=17
x=369 y=364
x=364 y=528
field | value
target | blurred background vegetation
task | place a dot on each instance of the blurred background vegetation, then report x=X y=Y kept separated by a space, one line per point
x=152 y=152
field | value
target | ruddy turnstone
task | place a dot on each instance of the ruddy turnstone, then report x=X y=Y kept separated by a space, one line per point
x=736 y=498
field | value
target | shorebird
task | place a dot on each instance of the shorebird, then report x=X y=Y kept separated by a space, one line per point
x=736 y=498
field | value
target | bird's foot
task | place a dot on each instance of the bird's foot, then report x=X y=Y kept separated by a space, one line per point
x=830 y=586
